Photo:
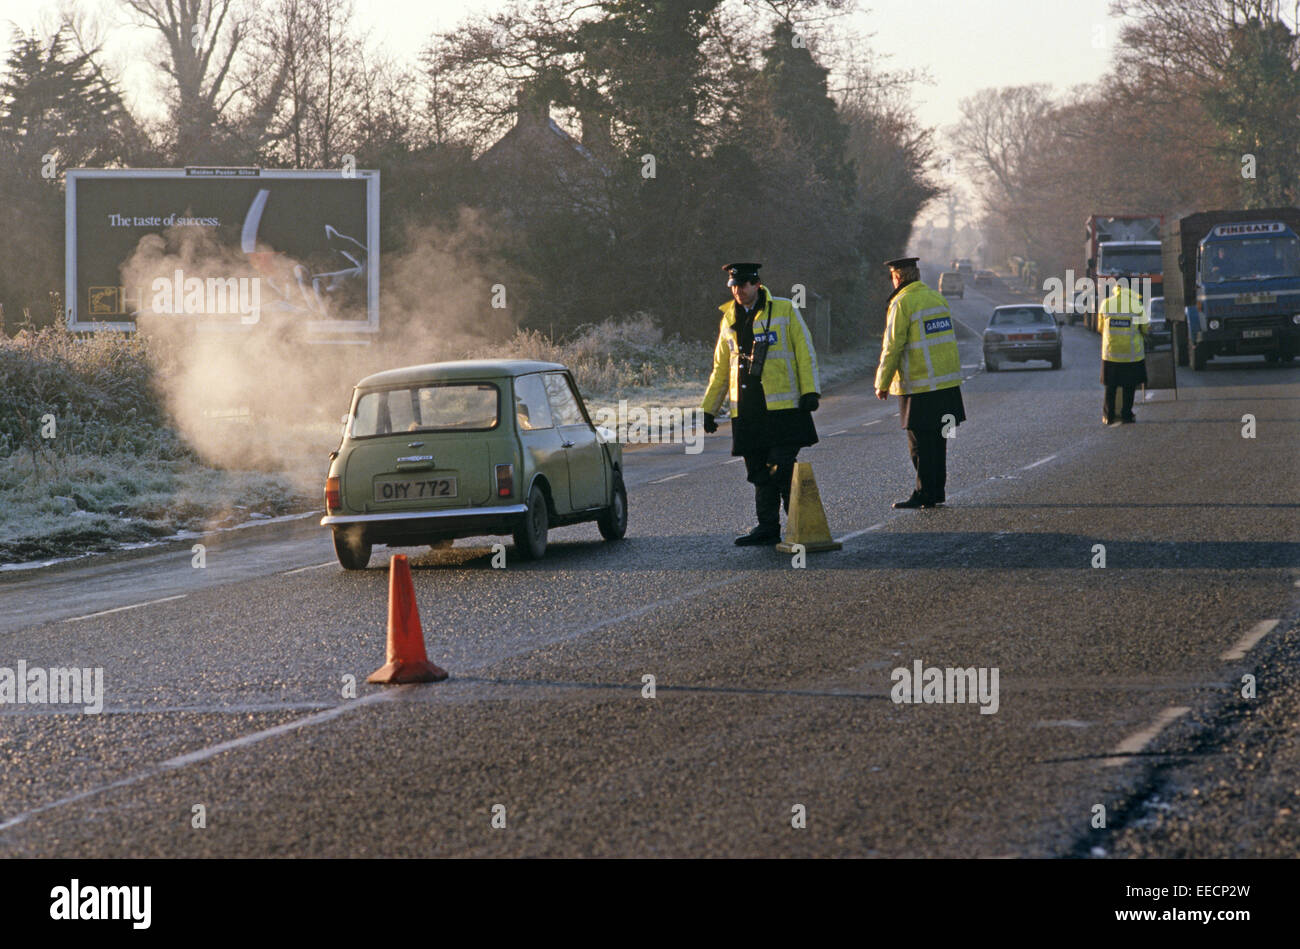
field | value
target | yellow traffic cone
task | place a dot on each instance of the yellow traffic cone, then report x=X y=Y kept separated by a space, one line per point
x=807 y=522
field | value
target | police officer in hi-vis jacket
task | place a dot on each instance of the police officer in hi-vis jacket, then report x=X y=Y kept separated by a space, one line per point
x=919 y=363
x=765 y=362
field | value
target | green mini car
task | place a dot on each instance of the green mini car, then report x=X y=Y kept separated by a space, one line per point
x=465 y=449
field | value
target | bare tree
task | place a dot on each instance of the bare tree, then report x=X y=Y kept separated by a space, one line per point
x=202 y=39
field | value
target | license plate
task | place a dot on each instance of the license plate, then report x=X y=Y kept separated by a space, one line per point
x=1248 y=298
x=1256 y=334
x=415 y=489
x=1020 y=336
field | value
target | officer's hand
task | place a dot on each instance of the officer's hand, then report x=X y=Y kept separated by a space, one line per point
x=710 y=426
x=882 y=394
x=809 y=401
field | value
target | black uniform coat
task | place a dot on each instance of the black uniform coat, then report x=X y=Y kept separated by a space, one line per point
x=755 y=428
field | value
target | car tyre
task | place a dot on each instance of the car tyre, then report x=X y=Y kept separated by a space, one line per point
x=530 y=534
x=613 y=523
x=1198 y=355
x=1056 y=361
x=991 y=364
x=353 y=554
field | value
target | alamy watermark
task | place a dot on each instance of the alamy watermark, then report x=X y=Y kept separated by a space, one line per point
x=1083 y=294
x=54 y=686
x=210 y=296
x=655 y=425
x=932 y=685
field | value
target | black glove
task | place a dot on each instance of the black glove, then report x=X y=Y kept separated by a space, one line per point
x=810 y=402
x=710 y=426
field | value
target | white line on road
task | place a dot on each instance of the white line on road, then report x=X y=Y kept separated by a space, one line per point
x=865 y=530
x=671 y=478
x=970 y=365
x=315 y=566
x=1247 y=642
x=1135 y=743
x=133 y=606
x=874 y=422
x=1040 y=461
x=840 y=432
x=203 y=754
x=733 y=461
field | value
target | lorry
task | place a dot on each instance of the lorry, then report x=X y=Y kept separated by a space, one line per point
x=1232 y=284
x=1121 y=246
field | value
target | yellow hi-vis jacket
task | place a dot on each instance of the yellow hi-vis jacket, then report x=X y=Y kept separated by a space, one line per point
x=791 y=367
x=1123 y=324
x=919 y=351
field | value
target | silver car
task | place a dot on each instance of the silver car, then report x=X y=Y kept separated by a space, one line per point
x=1021 y=332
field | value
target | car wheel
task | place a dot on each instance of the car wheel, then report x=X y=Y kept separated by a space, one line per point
x=353 y=552
x=530 y=535
x=613 y=523
x=991 y=364
x=1056 y=361
x=444 y=544
x=1199 y=357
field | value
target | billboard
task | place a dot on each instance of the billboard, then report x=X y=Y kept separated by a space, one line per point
x=226 y=248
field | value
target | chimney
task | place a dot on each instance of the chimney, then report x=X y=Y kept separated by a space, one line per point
x=596 y=136
x=532 y=107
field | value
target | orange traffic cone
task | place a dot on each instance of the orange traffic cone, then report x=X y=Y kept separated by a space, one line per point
x=407 y=660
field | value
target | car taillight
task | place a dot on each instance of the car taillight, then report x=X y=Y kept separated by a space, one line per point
x=505 y=480
x=1047 y=335
x=333 y=496
x=993 y=337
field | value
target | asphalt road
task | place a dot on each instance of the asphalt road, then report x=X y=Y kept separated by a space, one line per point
x=224 y=684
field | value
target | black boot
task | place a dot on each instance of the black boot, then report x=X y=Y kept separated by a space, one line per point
x=767 y=505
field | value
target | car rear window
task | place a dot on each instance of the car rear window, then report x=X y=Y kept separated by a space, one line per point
x=458 y=406
x=1021 y=316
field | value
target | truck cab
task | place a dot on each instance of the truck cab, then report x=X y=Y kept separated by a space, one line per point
x=1247 y=293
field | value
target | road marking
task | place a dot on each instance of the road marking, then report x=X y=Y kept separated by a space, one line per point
x=133 y=606
x=840 y=432
x=1040 y=461
x=203 y=754
x=865 y=530
x=970 y=365
x=1135 y=743
x=328 y=563
x=1247 y=642
x=873 y=422
x=671 y=477
x=733 y=461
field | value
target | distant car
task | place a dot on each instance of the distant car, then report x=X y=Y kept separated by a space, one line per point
x=984 y=278
x=462 y=449
x=951 y=284
x=1161 y=333
x=1021 y=332
x=964 y=265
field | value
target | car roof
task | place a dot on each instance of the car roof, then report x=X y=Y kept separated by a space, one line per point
x=458 y=369
x=1019 y=306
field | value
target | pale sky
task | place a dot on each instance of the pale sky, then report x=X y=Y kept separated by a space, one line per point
x=965 y=45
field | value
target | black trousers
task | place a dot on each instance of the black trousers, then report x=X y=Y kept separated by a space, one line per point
x=770 y=470
x=929 y=451
x=1108 y=408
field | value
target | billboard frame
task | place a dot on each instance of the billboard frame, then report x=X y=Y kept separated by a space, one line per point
x=72 y=175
